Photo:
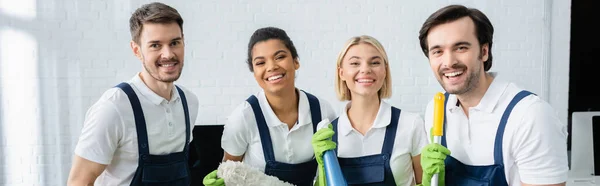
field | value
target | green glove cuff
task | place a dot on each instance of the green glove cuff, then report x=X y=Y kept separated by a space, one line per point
x=427 y=179
x=321 y=179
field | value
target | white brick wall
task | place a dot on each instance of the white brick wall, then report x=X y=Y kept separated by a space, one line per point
x=58 y=56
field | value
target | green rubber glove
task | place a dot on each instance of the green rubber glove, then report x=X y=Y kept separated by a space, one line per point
x=432 y=161
x=321 y=142
x=211 y=179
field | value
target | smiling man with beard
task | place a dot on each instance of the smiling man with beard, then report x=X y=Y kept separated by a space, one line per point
x=495 y=132
x=138 y=132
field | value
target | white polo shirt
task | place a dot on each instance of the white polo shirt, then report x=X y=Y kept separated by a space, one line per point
x=534 y=143
x=241 y=137
x=109 y=134
x=410 y=138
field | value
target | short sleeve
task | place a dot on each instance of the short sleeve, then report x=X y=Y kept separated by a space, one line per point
x=419 y=138
x=101 y=133
x=540 y=146
x=236 y=136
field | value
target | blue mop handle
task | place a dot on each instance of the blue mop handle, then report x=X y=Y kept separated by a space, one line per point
x=333 y=172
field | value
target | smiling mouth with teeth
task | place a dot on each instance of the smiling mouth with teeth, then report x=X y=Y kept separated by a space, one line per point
x=365 y=80
x=453 y=74
x=167 y=65
x=276 y=77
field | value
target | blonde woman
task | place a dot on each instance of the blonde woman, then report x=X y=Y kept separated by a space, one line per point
x=376 y=143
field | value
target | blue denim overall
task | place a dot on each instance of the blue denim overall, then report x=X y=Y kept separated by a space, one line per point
x=298 y=174
x=158 y=170
x=373 y=169
x=458 y=173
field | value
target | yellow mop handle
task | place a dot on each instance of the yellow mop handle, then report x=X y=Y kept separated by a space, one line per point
x=438 y=125
x=438 y=114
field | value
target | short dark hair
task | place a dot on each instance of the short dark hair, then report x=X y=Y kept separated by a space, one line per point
x=483 y=27
x=266 y=33
x=152 y=13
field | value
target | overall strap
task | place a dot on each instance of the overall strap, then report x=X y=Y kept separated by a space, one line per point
x=334 y=138
x=500 y=133
x=315 y=110
x=263 y=129
x=446 y=95
x=390 y=132
x=140 y=121
x=186 y=112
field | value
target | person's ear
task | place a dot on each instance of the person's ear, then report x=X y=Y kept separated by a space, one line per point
x=136 y=49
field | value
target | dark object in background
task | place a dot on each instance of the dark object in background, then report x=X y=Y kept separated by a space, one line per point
x=205 y=151
x=583 y=69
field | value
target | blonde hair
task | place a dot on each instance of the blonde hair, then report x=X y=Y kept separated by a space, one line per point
x=341 y=89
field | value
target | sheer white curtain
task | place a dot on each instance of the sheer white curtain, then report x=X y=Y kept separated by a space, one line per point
x=45 y=54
